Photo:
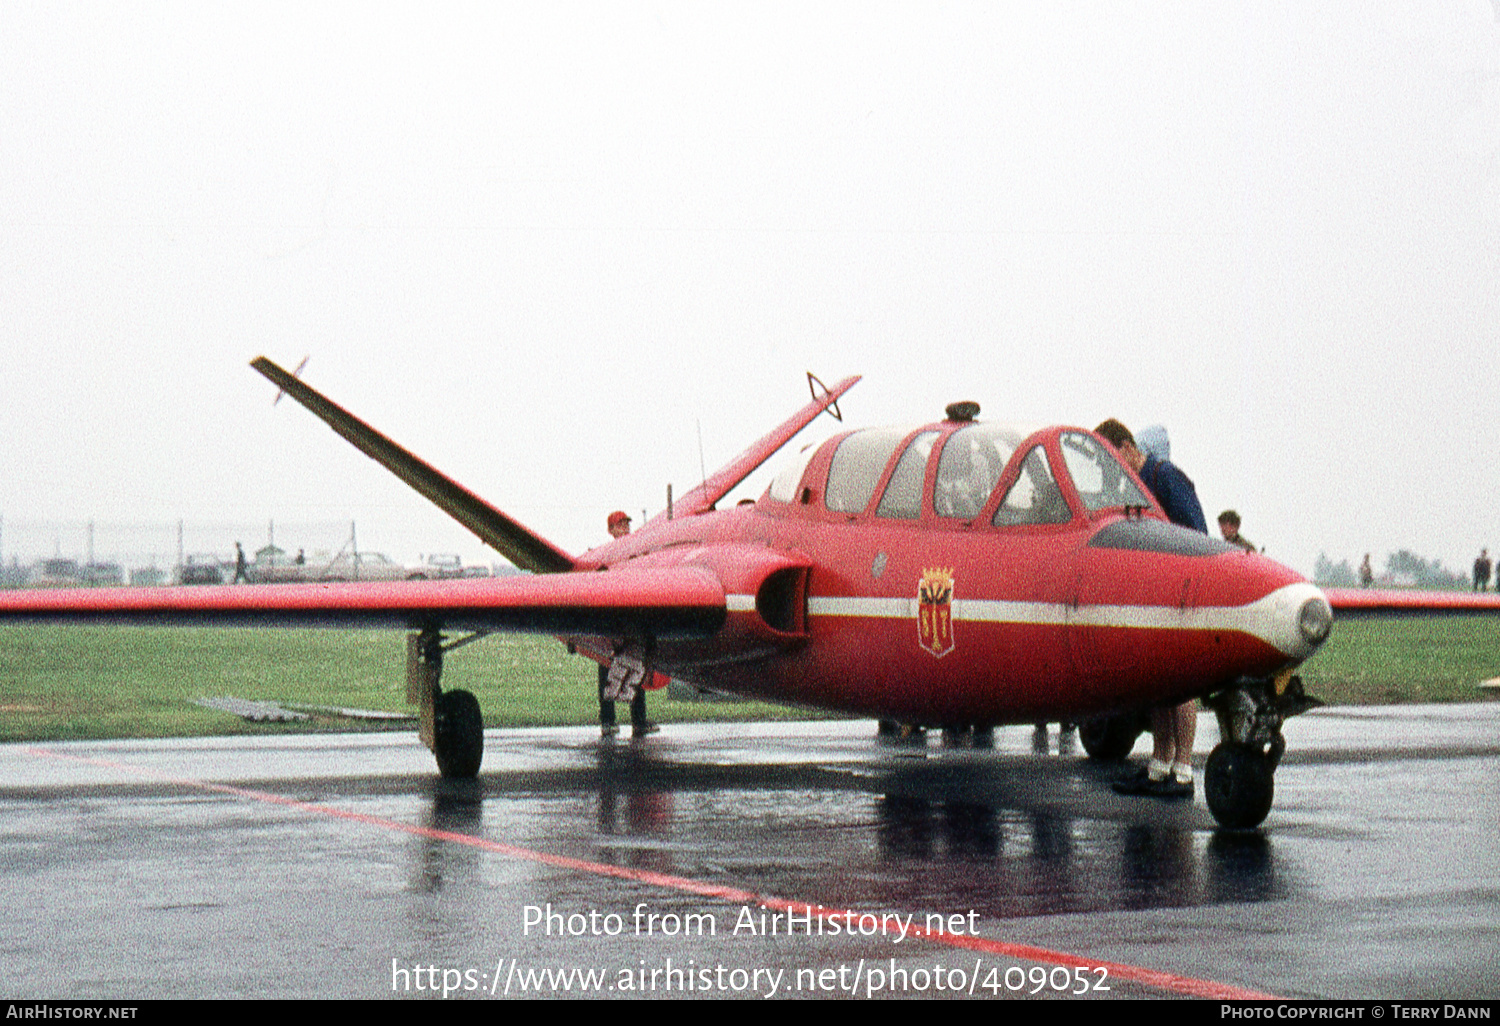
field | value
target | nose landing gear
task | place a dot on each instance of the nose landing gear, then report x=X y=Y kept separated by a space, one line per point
x=1239 y=780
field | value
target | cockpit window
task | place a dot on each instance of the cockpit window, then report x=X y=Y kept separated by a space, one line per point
x=903 y=495
x=970 y=467
x=1098 y=475
x=784 y=484
x=1033 y=498
x=857 y=466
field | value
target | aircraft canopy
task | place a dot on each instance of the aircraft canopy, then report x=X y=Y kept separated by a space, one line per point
x=889 y=468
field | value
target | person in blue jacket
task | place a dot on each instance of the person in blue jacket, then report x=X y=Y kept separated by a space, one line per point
x=1169 y=774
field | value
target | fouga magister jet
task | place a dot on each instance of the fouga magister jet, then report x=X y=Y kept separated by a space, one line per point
x=959 y=574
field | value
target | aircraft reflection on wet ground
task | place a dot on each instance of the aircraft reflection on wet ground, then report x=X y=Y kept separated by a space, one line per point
x=998 y=835
x=265 y=867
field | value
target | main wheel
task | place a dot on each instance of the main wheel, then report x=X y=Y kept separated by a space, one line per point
x=1239 y=785
x=1110 y=737
x=458 y=734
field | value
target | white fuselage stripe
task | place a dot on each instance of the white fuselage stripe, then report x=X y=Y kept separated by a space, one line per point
x=1273 y=618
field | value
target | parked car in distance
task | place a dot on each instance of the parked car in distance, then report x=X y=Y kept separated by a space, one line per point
x=56 y=573
x=273 y=566
x=445 y=566
x=201 y=568
x=103 y=575
x=362 y=566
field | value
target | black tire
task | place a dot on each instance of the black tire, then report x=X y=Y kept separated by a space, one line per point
x=1239 y=784
x=1111 y=737
x=458 y=734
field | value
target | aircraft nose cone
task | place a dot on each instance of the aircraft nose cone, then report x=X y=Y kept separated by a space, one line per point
x=1295 y=618
x=1315 y=620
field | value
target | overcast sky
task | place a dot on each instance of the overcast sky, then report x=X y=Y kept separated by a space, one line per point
x=546 y=245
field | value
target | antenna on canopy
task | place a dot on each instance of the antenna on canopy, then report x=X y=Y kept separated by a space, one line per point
x=702 y=467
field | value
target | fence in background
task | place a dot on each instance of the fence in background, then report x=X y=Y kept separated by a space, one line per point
x=147 y=553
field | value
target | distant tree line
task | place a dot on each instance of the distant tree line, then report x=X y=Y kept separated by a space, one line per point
x=1402 y=569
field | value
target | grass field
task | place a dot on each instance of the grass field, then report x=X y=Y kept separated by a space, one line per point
x=1415 y=659
x=105 y=682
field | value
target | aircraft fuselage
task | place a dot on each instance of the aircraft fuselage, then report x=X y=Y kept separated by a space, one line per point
x=956 y=621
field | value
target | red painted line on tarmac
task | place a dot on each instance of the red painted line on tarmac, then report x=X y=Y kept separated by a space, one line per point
x=1185 y=985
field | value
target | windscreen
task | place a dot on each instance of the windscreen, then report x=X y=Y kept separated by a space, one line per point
x=1101 y=480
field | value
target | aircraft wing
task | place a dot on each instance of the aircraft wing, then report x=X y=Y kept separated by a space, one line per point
x=522 y=546
x=723 y=480
x=1362 y=602
x=678 y=602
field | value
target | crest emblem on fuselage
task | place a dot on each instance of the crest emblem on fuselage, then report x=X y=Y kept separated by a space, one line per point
x=935 y=611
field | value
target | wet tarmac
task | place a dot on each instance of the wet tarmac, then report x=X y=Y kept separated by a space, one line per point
x=681 y=865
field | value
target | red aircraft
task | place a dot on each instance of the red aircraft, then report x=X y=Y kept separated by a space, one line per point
x=961 y=574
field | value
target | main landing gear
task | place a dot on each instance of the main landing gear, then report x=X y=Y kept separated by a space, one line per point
x=894 y=732
x=1112 y=737
x=1239 y=780
x=449 y=722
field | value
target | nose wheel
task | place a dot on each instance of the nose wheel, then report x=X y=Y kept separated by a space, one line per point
x=1239 y=781
x=1239 y=784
